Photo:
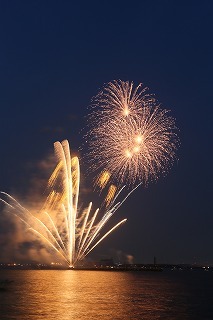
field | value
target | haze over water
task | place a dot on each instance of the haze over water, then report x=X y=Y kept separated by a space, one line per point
x=67 y=295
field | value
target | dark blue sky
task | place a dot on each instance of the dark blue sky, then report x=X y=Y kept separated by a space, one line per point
x=55 y=55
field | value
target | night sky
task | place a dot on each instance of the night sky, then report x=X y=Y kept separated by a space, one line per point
x=56 y=55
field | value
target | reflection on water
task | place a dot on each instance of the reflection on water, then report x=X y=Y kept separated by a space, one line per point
x=67 y=295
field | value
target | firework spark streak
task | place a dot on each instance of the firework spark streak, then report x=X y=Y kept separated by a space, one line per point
x=131 y=137
x=61 y=225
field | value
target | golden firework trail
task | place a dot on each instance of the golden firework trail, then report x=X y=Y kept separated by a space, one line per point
x=61 y=225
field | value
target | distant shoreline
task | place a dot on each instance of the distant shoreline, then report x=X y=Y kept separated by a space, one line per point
x=110 y=268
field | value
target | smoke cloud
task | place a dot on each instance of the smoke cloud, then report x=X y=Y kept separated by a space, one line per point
x=18 y=242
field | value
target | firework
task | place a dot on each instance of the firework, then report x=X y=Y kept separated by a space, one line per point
x=132 y=141
x=131 y=137
x=61 y=225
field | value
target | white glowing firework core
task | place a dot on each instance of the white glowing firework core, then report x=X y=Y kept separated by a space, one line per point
x=126 y=111
x=139 y=139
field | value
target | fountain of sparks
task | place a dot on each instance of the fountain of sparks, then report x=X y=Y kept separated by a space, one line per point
x=61 y=225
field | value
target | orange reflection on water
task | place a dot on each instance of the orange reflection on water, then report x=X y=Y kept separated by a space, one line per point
x=85 y=295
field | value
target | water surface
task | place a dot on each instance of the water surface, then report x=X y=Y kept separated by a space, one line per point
x=70 y=294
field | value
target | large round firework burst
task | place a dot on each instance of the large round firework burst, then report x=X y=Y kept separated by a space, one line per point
x=131 y=137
